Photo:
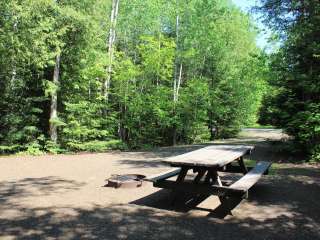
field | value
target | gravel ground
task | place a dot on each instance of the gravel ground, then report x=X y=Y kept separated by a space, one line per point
x=63 y=197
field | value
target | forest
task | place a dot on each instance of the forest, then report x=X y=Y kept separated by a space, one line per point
x=94 y=75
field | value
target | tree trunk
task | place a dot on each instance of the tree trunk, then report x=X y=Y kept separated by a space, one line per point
x=13 y=62
x=158 y=63
x=112 y=37
x=211 y=127
x=177 y=82
x=54 y=102
x=211 y=124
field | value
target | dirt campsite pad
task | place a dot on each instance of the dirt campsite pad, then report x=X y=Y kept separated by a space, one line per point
x=63 y=197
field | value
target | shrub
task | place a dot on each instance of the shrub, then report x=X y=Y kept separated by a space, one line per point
x=97 y=146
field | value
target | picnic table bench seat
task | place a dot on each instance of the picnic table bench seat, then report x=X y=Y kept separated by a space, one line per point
x=240 y=187
x=249 y=179
x=163 y=175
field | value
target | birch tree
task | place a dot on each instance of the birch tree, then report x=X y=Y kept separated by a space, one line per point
x=53 y=132
x=54 y=101
x=178 y=65
x=111 y=40
x=14 y=67
x=177 y=72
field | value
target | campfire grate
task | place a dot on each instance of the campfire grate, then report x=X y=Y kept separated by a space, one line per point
x=125 y=181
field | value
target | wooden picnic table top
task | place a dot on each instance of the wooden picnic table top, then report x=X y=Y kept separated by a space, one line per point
x=211 y=156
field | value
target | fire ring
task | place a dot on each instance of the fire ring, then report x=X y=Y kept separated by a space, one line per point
x=125 y=181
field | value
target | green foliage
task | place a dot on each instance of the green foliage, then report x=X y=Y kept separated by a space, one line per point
x=157 y=54
x=192 y=112
x=97 y=146
x=294 y=103
x=84 y=127
x=211 y=55
x=50 y=88
x=53 y=148
x=9 y=149
x=315 y=154
x=33 y=148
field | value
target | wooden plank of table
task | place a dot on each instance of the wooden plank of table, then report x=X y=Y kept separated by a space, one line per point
x=248 y=180
x=163 y=175
x=211 y=156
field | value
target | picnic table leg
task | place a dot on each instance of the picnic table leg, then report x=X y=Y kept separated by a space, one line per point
x=200 y=175
x=211 y=178
x=199 y=197
x=242 y=165
x=227 y=204
x=182 y=175
x=214 y=177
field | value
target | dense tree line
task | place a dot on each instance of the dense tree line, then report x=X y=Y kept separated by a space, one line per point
x=99 y=74
x=294 y=102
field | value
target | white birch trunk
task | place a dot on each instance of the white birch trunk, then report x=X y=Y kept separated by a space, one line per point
x=177 y=73
x=14 y=67
x=54 y=102
x=53 y=132
x=176 y=62
x=13 y=74
x=179 y=83
x=112 y=37
x=177 y=79
x=159 y=55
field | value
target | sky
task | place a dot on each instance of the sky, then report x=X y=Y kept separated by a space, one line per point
x=245 y=5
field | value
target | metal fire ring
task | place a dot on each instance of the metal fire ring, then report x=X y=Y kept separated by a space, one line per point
x=125 y=181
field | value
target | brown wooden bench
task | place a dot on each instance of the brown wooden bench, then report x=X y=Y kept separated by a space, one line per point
x=164 y=175
x=229 y=201
x=252 y=177
x=239 y=188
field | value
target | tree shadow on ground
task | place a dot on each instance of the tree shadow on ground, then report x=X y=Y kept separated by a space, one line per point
x=279 y=204
x=289 y=210
x=43 y=186
x=126 y=222
x=183 y=202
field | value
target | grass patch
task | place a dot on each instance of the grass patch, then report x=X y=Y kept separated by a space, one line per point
x=258 y=126
x=272 y=170
x=97 y=146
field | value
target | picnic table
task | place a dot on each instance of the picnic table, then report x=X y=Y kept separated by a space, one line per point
x=206 y=163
